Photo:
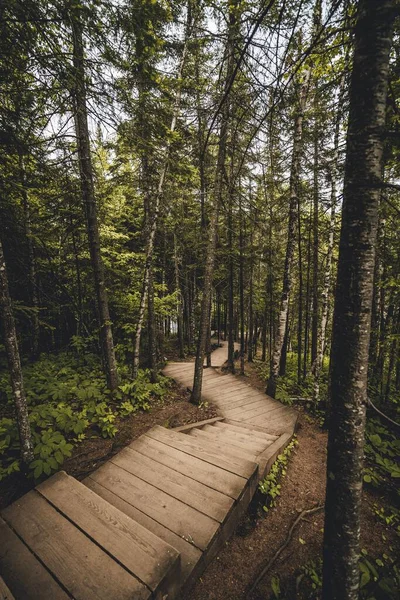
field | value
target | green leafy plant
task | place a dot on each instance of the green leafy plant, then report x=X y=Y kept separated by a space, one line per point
x=382 y=449
x=67 y=399
x=270 y=486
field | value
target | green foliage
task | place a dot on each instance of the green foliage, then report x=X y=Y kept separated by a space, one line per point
x=379 y=578
x=276 y=587
x=382 y=450
x=388 y=515
x=270 y=486
x=67 y=399
x=288 y=387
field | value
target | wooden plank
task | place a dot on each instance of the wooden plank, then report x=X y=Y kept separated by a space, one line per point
x=280 y=424
x=265 y=437
x=254 y=398
x=190 y=555
x=170 y=512
x=191 y=492
x=202 y=450
x=221 y=382
x=224 y=381
x=288 y=415
x=190 y=426
x=233 y=449
x=5 y=593
x=25 y=575
x=215 y=477
x=257 y=407
x=233 y=399
x=148 y=558
x=84 y=569
x=249 y=393
x=242 y=404
x=247 y=442
x=248 y=426
x=268 y=457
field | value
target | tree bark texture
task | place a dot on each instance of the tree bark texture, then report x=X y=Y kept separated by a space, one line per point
x=352 y=313
x=291 y=237
x=87 y=189
x=317 y=363
x=14 y=364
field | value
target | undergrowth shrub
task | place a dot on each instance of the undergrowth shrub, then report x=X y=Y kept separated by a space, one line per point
x=68 y=401
x=270 y=486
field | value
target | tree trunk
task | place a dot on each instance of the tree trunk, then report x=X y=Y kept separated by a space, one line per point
x=291 y=238
x=179 y=308
x=314 y=319
x=151 y=327
x=87 y=189
x=307 y=311
x=213 y=224
x=231 y=345
x=31 y=260
x=352 y=316
x=317 y=364
x=14 y=365
x=300 y=305
x=241 y=285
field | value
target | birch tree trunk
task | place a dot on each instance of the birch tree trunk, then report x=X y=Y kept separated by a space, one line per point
x=179 y=306
x=87 y=190
x=317 y=363
x=352 y=315
x=291 y=237
x=14 y=365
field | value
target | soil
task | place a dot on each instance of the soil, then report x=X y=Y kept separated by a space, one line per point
x=173 y=410
x=260 y=534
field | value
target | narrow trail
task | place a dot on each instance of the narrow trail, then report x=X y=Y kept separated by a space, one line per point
x=148 y=522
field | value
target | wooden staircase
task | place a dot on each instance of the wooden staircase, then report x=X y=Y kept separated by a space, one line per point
x=145 y=524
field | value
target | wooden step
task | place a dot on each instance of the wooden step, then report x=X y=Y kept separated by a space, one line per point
x=89 y=546
x=25 y=576
x=193 y=493
x=264 y=437
x=181 y=518
x=190 y=555
x=235 y=438
x=216 y=445
x=179 y=469
x=5 y=593
x=249 y=426
x=201 y=449
x=213 y=476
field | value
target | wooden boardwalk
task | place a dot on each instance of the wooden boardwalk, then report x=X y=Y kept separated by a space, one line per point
x=146 y=524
